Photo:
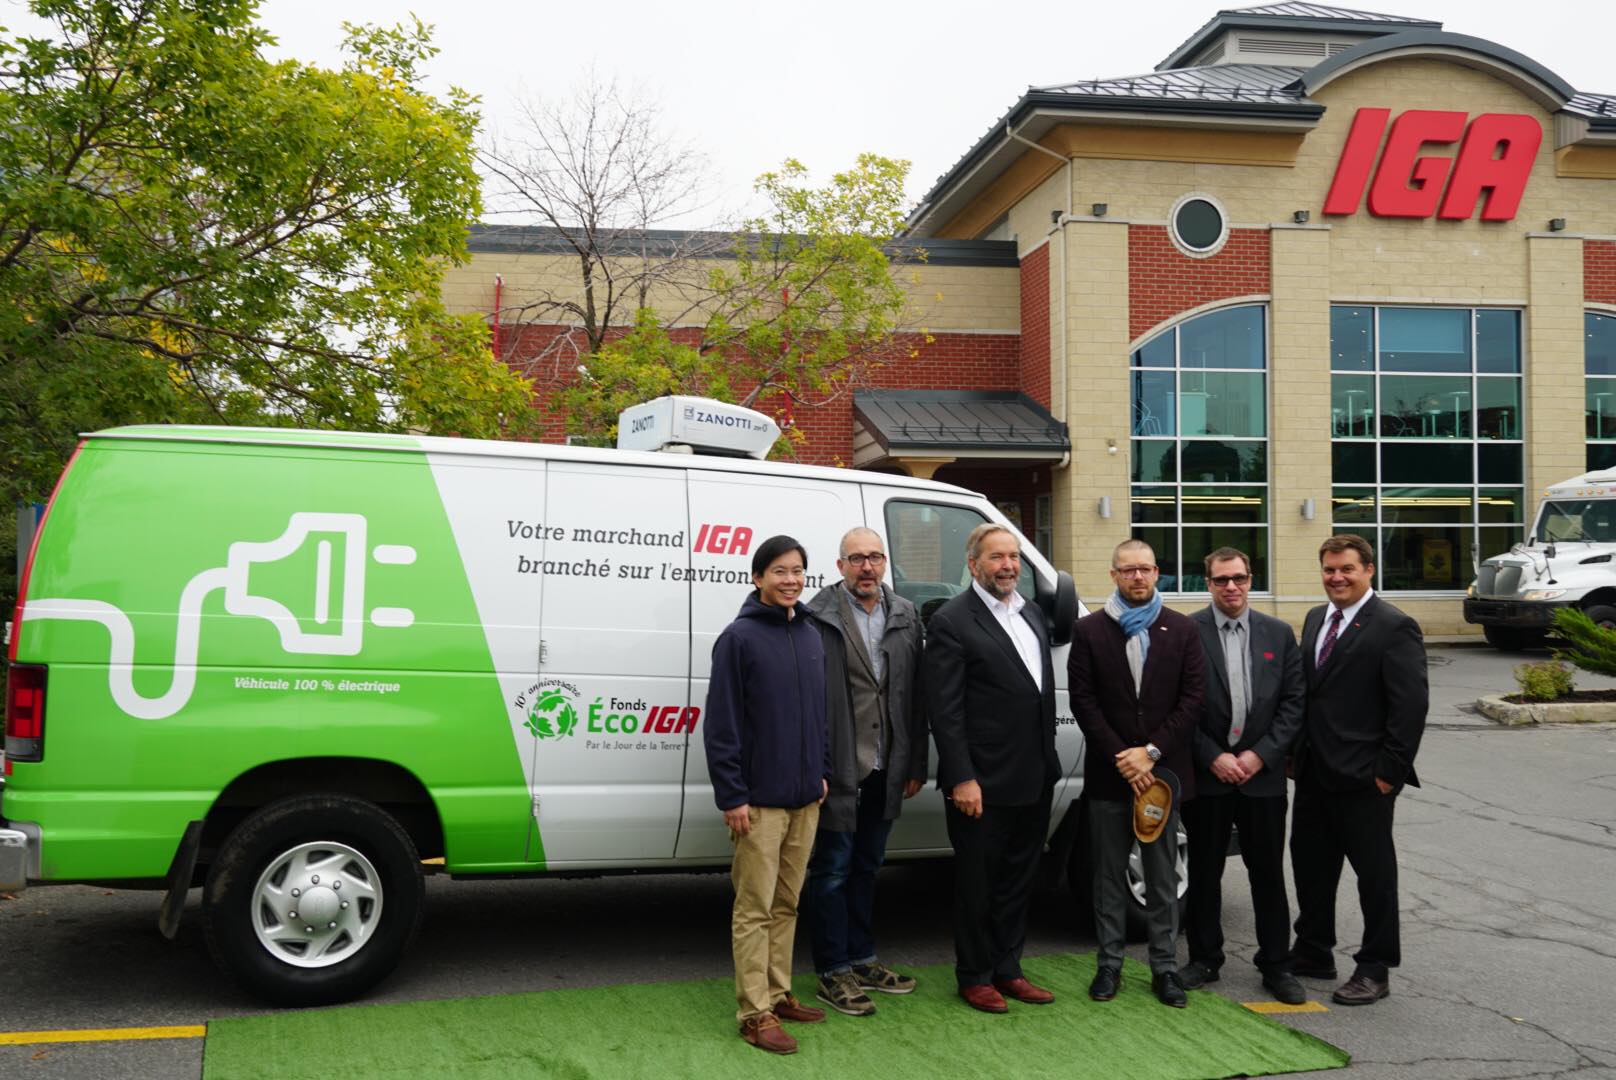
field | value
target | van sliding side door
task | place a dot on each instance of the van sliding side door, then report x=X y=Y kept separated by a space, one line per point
x=615 y=666
x=730 y=514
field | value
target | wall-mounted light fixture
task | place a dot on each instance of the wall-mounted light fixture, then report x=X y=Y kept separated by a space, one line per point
x=1307 y=509
x=1110 y=446
x=1557 y=224
x=1099 y=209
x=1054 y=217
x=1301 y=216
x=1104 y=508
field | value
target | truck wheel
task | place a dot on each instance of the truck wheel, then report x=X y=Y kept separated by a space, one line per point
x=1512 y=638
x=1602 y=614
x=1136 y=885
x=313 y=900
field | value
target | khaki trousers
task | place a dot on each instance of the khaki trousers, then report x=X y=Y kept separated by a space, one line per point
x=769 y=866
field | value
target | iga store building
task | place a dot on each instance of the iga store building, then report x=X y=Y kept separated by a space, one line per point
x=1322 y=270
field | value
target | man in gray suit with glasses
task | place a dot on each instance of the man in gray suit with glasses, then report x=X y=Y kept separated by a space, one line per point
x=1252 y=713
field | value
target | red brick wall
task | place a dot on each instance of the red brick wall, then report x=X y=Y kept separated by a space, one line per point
x=1162 y=281
x=1599 y=271
x=1035 y=325
x=549 y=354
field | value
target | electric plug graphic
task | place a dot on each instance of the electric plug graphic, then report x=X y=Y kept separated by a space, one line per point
x=340 y=569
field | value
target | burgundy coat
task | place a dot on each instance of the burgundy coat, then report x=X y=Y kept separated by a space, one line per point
x=1113 y=717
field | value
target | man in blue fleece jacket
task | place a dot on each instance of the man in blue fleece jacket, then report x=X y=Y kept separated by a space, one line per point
x=769 y=760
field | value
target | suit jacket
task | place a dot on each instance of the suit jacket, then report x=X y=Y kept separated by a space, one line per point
x=1114 y=716
x=1274 y=718
x=990 y=721
x=1366 y=708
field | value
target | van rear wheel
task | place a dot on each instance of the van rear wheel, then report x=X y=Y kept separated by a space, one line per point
x=313 y=900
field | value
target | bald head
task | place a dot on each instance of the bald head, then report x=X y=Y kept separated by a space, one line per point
x=862 y=561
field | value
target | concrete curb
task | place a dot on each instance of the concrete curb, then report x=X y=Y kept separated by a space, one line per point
x=1496 y=708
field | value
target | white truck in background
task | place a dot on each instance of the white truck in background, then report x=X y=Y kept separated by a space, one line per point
x=1566 y=561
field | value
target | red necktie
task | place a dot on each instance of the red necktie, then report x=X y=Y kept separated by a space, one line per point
x=1329 y=638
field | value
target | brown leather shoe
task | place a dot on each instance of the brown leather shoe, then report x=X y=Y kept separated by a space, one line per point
x=764 y=1032
x=1360 y=990
x=985 y=998
x=789 y=1008
x=1022 y=990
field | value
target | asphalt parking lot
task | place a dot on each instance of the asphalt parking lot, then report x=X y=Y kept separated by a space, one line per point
x=1508 y=858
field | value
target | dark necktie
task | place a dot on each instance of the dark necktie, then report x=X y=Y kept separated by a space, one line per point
x=1329 y=638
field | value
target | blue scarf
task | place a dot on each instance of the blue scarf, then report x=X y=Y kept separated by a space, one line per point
x=1135 y=621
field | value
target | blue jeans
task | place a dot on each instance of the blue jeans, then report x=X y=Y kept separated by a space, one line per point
x=841 y=883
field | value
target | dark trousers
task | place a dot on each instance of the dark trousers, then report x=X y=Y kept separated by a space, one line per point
x=1326 y=827
x=1261 y=821
x=841 y=882
x=1111 y=840
x=995 y=864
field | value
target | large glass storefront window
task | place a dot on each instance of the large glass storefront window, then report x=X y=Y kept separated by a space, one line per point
x=1425 y=425
x=1200 y=444
x=1599 y=394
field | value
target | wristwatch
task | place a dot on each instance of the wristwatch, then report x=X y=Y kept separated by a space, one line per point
x=1153 y=751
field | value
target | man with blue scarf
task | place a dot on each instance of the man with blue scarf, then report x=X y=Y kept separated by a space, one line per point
x=1136 y=677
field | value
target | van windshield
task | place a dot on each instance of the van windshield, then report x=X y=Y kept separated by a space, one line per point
x=1588 y=520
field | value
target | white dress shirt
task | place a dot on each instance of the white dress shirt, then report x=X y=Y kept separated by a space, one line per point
x=1347 y=615
x=1021 y=635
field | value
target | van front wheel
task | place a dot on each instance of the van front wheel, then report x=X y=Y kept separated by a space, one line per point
x=313 y=900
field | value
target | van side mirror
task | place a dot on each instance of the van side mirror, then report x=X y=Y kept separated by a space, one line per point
x=1060 y=607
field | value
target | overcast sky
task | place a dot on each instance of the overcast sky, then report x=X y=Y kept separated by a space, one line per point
x=753 y=83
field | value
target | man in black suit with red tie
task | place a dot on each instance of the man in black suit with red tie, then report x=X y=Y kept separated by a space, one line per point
x=990 y=695
x=1364 y=662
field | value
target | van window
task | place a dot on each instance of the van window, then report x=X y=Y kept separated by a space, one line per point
x=927 y=547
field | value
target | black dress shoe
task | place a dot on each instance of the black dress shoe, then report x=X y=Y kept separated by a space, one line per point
x=1312 y=969
x=1196 y=974
x=1360 y=990
x=1169 y=989
x=1107 y=981
x=1284 y=986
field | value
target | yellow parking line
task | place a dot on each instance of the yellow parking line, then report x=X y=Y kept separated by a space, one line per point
x=25 y=1038
x=1271 y=1007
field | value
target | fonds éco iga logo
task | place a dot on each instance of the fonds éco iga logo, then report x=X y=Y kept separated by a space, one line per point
x=723 y=540
x=549 y=706
x=552 y=707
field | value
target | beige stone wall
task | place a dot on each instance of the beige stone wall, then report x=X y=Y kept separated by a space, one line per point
x=984 y=298
x=1029 y=219
x=1554 y=364
x=1097 y=404
x=1298 y=413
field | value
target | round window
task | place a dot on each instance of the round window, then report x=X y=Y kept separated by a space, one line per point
x=1198 y=224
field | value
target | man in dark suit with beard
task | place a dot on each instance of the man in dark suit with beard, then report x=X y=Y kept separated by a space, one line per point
x=990 y=695
x=1367 y=696
x=1251 y=715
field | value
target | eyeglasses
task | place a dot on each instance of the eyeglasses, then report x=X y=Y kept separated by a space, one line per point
x=1133 y=571
x=1230 y=579
x=876 y=559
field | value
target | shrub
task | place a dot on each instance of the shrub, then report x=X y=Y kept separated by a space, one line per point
x=1544 y=680
x=1586 y=644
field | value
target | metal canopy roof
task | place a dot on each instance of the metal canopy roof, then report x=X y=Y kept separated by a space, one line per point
x=1214 y=82
x=965 y=423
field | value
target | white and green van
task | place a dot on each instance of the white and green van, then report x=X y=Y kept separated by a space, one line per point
x=301 y=669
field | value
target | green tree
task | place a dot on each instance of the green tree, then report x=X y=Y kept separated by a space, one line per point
x=805 y=307
x=190 y=232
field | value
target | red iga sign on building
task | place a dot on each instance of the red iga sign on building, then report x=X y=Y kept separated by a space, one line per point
x=1495 y=157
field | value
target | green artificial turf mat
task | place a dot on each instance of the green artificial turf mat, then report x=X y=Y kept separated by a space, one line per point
x=679 y=1029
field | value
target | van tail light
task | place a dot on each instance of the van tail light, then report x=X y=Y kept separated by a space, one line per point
x=25 y=713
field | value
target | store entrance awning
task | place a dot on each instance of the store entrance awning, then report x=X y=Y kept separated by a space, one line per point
x=899 y=426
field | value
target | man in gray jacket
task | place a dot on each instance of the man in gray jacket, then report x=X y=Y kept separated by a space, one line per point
x=878 y=758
